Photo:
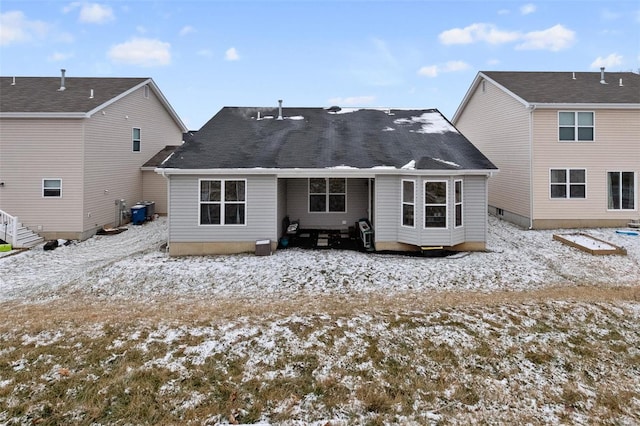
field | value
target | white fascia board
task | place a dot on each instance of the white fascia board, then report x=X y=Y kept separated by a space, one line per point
x=583 y=106
x=43 y=115
x=329 y=172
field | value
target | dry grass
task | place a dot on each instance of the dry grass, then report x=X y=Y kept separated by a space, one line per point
x=456 y=357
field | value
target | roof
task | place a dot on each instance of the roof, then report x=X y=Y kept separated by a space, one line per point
x=160 y=157
x=318 y=138
x=82 y=96
x=569 y=87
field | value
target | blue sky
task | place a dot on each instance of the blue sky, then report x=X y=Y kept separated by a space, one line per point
x=404 y=54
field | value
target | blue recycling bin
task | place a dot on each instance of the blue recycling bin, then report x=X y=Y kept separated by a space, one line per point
x=138 y=214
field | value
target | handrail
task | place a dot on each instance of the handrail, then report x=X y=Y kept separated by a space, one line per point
x=9 y=228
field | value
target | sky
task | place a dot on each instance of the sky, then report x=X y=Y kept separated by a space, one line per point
x=205 y=55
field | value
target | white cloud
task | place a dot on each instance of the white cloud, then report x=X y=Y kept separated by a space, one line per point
x=142 y=52
x=231 y=54
x=555 y=38
x=610 y=61
x=528 y=9
x=188 y=29
x=353 y=100
x=58 y=56
x=91 y=13
x=474 y=33
x=434 y=70
x=16 y=28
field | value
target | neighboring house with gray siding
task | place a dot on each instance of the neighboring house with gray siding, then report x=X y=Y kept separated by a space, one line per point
x=418 y=181
x=567 y=145
x=71 y=146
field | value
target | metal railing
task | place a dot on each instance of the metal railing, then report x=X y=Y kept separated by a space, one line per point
x=9 y=228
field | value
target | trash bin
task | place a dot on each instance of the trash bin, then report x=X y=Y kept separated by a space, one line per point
x=138 y=214
x=263 y=248
x=151 y=209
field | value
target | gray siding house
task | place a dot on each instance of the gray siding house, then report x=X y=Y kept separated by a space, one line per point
x=410 y=173
x=567 y=145
x=70 y=147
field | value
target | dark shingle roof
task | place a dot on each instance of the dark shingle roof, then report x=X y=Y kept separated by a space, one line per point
x=561 y=87
x=316 y=138
x=41 y=94
x=163 y=154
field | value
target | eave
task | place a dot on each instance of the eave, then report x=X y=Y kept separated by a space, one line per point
x=328 y=172
x=44 y=115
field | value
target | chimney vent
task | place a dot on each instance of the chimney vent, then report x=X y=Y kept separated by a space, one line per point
x=91 y=94
x=13 y=82
x=280 y=109
x=602 y=76
x=574 y=76
x=62 y=80
x=620 y=83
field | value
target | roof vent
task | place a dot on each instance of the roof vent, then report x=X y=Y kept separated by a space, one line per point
x=280 y=109
x=62 y=80
x=91 y=94
x=620 y=83
x=574 y=76
x=602 y=76
x=13 y=82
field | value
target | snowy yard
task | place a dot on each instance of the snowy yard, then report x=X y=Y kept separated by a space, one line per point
x=114 y=331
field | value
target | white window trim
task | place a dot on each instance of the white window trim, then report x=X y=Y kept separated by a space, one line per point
x=222 y=203
x=576 y=126
x=461 y=203
x=446 y=204
x=133 y=139
x=635 y=190
x=567 y=184
x=50 y=196
x=327 y=194
x=402 y=203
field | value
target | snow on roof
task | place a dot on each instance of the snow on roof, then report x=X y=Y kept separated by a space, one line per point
x=432 y=122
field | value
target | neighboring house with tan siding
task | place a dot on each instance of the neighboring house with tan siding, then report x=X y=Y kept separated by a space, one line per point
x=567 y=145
x=408 y=174
x=71 y=146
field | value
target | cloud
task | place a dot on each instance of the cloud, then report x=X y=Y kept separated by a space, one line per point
x=474 y=33
x=231 y=54
x=434 y=70
x=58 y=56
x=188 y=29
x=610 y=61
x=555 y=38
x=352 y=100
x=16 y=28
x=142 y=52
x=91 y=13
x=528 y=9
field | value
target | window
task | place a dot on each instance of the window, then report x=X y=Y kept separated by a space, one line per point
x=136 y=139
x=52 y=188
x=408 y=203
x=458 y=203
x=575 y=126
x=568 y=183
x=621 y=190
x=435 y=196
x=222 y=202
x=327 y=195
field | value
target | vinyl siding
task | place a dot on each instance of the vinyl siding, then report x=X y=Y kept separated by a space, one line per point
x=616 y=148
x=498 y=125
x=475 y=209
x=261 y=220
x=387 y=210
x=112 y=169
x=298 y=205
x=154 y=188
x=33 y=149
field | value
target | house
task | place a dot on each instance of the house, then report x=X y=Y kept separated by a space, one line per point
x=567 y=145
x=409 y=174
x=72 y=147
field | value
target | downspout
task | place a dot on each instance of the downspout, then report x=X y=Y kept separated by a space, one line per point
x=532 y=108
x=163 y=174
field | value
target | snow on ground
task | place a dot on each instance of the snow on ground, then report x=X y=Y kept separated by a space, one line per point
x=133 y=265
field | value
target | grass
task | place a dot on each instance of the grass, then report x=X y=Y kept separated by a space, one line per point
x=558 y=355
